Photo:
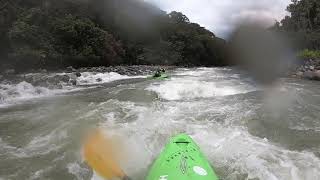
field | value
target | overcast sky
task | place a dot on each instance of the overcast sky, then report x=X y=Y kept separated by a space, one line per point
x=220 y=16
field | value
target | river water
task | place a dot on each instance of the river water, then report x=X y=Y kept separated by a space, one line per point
x=246 y=131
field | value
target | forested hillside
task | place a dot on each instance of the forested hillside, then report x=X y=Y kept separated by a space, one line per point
x=55 y=34
x=303 y=24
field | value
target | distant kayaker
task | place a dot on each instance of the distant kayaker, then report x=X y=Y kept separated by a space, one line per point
x=159 y=72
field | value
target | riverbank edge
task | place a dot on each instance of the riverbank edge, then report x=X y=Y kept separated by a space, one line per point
x=56 y=79
x=306 y=69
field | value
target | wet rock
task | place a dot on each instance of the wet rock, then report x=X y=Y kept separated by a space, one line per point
x=299 y=74
x=72 y=76
x=70 y=69
x=317 y=75
x=73 y=82
x=307 y=69
x=9 y=71
x=33 y=79
x=62 y=78
x=308 y=75
x=59 y=86
x=99 y=80
x=43 y=71
x=312 y=75
x=122 y=71
x=83 y=69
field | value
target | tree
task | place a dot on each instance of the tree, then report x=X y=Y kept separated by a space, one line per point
x=81 y=38
x=57 y=34
x=303 y=25
x=178 y=17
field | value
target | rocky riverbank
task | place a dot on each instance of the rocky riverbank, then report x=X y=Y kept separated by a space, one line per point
x=73 y=77
x=308 y=69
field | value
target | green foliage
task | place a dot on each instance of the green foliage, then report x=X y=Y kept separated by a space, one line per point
x=57 y=34
x=178 y=17
x=81 y=38
x=309 y=54
x=303 y=24
x=31 y=43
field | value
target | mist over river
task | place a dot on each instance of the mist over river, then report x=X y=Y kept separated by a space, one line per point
x=246 y=131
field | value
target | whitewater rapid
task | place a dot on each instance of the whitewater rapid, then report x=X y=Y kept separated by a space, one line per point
x=233 y=120
x=13 y=93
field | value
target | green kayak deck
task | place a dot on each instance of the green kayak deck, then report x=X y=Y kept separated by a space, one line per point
x=181 y=159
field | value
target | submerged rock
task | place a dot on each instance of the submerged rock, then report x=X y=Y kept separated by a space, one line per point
x=99 y=80
x=78 y=74
x=299 y=74
x=61 y=78
x=71 y=69
x=1 y=98
x=9 y=72
x=73 y=82
x=312 y=75
x=311 y=68
x=317 y=75
x=308 y=75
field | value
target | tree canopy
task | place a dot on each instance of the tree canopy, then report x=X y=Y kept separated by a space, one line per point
x=56 y=34
x=303 y=24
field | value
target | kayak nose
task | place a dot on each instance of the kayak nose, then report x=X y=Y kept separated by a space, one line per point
x=181 y=159
x=182 y=138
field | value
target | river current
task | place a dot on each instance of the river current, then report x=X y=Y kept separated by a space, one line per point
x=247 y=131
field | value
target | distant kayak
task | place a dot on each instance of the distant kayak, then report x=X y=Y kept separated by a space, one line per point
x=181 y=159
x=163 y=76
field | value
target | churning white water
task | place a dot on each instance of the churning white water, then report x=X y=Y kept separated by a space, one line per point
x=226 y=113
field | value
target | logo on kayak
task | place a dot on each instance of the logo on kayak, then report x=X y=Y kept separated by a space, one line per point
x=200 y=171
x=165 y=177
x=183 y=164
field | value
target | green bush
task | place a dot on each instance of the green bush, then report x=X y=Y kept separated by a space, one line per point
x=309 y=54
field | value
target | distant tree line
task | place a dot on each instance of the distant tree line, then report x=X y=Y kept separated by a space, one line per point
x=302 y=27
x=55 y=34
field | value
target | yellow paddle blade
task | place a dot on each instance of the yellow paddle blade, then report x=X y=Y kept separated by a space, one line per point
x=100 y=156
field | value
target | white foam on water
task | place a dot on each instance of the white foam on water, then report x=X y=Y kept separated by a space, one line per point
x=89 y=78
x=95 y=176
x=77 y=170
x=6 y=149
x=20 y=91
x=39 y=145
x=256 y=157
x=38 y=174
x=190 y=73
x=46 y=143
x=228 y=146
x=11 y=94
x=146 y=127
x=180 y=88
x=200 y=83
x=201 y=72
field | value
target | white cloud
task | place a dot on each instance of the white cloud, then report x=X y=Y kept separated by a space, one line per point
x=221 y=16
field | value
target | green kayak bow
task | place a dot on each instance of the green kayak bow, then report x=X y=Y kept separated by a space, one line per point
x=181 y=159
